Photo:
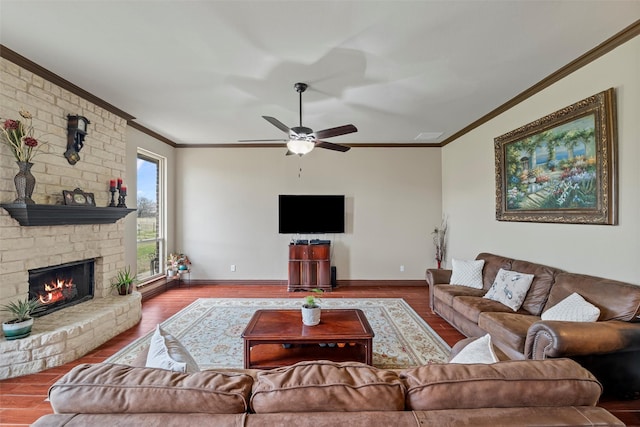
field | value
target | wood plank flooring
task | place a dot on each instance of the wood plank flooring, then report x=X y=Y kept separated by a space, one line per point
x=22 y=399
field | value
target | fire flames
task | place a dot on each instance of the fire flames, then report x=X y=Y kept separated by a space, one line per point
x=57 y=290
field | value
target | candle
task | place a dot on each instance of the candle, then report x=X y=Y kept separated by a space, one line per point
x=112 y=184
x=123 y=190
x=119 y=183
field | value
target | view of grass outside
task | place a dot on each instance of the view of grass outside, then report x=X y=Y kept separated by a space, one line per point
x=149 y=250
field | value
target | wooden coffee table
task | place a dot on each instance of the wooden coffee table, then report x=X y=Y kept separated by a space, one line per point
x=275 y=338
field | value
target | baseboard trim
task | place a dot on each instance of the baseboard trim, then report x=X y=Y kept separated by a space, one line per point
x=340 y=283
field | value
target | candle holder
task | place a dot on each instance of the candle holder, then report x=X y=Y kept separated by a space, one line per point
x=112 y=204
x=121 y=199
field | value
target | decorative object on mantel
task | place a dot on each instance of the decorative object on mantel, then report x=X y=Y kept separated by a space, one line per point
x=35 y=215
x=440 y=242
x=78 y=197
x=122 y=193
x=122 y=196
x=19 y=136
x=76 y=131
x=20 y=325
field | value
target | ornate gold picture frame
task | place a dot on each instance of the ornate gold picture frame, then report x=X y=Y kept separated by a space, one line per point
x=561 y=168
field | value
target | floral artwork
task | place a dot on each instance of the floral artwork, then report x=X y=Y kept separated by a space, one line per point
x=560 y=168
x=554 y=169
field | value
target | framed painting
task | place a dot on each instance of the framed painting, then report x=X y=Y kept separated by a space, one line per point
x=561 y=168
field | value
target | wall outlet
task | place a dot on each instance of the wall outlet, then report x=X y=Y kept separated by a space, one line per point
x=402 y=268
x=233 y=267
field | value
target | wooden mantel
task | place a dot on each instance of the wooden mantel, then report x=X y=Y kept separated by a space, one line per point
x=34 y=215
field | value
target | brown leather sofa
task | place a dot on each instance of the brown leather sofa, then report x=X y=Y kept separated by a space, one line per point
x=555 y=392
x=609 y=347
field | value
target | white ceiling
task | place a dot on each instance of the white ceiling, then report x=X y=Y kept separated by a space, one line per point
x=204 y=72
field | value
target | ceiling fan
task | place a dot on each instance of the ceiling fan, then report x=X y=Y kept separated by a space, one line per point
x=303 y=139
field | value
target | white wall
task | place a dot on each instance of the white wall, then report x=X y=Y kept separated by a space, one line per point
x=227 y=209
x=469 y=181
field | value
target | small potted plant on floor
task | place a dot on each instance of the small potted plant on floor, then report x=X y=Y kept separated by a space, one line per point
x=311 y=309
x=124 y=281
x=20 y=325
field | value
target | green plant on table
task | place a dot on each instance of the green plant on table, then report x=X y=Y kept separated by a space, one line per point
x=311 y=301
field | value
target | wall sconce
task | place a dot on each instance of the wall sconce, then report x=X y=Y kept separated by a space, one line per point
x=76 y=131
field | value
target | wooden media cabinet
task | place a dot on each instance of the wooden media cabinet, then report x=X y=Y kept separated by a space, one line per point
x=309 y=267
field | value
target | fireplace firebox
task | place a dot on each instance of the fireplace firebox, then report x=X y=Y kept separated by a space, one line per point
x=62 y=285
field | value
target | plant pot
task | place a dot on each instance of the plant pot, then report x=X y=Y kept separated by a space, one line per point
x=125 y=289
x=15 y=330
x=171 y=273
x=310 y=316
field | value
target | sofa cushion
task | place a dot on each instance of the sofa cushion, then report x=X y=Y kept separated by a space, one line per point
x=446 y=293
x=492 y=264
x=543 y=279
x=616 y=300
x=507 y=329
x=167 y=352
x=510 y=288
x=470 y=307
x=573 y=308
x=478 y=351
x=106 y=388
x=557 y=382
x=323 y=386
x=467 y=273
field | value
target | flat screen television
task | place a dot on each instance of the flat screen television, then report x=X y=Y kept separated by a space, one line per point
x=298 y=214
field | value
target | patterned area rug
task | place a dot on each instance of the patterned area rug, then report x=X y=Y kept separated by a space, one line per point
x=211 y=328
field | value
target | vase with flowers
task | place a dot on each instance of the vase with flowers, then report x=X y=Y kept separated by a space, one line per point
x=440 y=242
x=19 y=135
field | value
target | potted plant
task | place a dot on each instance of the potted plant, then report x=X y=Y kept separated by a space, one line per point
x=177 y=262
x=311 y=309
x=124 y=281
x=20 y=325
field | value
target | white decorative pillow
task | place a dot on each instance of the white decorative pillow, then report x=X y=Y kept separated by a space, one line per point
x=573 y=308
x=467 y=273
x=510 y=288
x=166 y=352
x=478 y=351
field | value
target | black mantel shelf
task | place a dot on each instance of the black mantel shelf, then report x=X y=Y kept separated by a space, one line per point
x=31 y=215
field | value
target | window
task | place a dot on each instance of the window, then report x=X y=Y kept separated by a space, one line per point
x=151 y=229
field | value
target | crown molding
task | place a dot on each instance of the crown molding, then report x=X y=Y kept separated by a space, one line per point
x=607 y=46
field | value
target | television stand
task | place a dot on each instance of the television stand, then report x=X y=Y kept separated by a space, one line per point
x=309 y=267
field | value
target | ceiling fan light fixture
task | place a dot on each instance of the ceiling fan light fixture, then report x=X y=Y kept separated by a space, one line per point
x=300 y=146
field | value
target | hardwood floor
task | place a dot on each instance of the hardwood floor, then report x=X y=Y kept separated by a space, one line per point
x=22 y=399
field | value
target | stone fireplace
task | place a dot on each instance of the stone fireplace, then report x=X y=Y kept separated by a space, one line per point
x=28 y=249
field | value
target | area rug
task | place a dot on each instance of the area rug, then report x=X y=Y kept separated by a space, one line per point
x=211 y=328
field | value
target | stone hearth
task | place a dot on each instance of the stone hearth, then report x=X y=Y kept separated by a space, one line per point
x=68 y=334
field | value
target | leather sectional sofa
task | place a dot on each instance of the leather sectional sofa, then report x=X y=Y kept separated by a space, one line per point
x=609 y=347
x=321 y=393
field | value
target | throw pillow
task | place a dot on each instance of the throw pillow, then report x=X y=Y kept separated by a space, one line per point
x=166 y=352
x=478 y=351
x=510 y=288
x=573 y=308
x=467 y=273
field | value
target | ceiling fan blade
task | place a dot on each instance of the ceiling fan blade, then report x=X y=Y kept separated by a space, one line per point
x=261 y=140
x=277 y=123
x=332 y=146
x=340 y=130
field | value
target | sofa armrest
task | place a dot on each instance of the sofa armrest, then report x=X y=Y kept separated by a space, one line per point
x=436 y=276
x=549 y=338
